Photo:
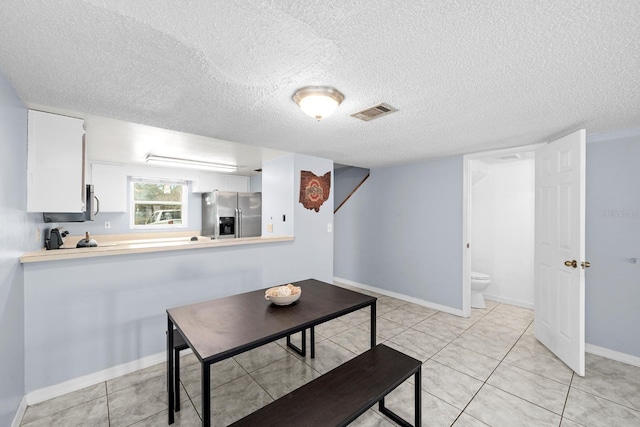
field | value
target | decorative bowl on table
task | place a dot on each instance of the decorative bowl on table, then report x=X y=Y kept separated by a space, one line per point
x=283 y=295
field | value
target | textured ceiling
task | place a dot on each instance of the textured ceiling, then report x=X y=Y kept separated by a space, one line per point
x=465 y=76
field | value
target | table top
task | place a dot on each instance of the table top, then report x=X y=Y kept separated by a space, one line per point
x=224 y=327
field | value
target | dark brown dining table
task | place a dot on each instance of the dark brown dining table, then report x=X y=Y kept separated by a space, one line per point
x=221 y=328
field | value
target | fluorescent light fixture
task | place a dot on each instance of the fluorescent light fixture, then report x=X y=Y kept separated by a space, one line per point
x=318 y=101
x=187 y=163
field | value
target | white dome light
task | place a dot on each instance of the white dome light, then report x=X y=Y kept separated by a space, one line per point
x=318 y=101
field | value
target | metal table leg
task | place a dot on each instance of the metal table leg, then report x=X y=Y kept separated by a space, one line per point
x=170 y=385
x=418 y=389
x=301 y=351
x=206 y=395
x=313 y=342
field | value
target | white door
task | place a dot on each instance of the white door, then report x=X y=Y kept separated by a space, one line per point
x=559 y=248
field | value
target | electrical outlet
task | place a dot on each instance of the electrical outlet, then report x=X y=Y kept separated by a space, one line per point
x=329 y=228
x=37 y=234
x=270 y=228
x=107 y=224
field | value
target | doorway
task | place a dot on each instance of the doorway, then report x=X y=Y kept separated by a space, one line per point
x=559 y=249
x=499 y=205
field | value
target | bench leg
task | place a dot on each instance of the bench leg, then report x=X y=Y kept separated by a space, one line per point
x=418 y=402
x=373 y=324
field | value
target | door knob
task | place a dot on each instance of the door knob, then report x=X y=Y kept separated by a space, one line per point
x=585 y=264
x=573 y=263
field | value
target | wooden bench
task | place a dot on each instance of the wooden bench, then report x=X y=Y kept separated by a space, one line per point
x=343 y=394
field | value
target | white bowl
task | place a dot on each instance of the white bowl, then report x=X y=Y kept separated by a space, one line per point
x=289 y=299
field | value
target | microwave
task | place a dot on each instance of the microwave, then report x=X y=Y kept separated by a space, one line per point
x=91 y=210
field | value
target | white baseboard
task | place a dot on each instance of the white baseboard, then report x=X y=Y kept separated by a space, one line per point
x=96 y=377
x=509 y=301
x=17 y=419
x=613 y=355
x=402 y=297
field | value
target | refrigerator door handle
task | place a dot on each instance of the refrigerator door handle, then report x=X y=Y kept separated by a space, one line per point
x=239 y=222
x=236 y=223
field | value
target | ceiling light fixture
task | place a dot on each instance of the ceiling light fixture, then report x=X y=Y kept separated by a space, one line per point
x=187 y=163
x=318 y=101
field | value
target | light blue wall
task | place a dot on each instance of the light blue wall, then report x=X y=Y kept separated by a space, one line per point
x=612 y=238
x=423 y=259
x=255 y=183
x=347 y=179
x=311 y=226
x=278 y=196
x=402 y=231
x=84 y=316
x=18 y=236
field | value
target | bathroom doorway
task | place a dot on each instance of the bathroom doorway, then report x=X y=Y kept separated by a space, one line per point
x=499 y=233
x=559 y=242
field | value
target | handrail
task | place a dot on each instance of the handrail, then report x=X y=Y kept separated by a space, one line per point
x=351 y=194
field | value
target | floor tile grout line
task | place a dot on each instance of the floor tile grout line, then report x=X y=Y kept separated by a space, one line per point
x=108 y=408
x=566 y=400
x=451 y=341
x=492 y=372
x=513 y=365
x=605 y=398
x=519 y=397
x=191 y=401
x=61 y=410
x=263 y=389
x=162 y=373
x=191 y=398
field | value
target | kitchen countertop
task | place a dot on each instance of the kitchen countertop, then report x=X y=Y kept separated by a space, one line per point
x=125 y=244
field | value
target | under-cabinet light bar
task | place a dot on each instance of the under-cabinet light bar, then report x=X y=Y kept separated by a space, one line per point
x=196 y=164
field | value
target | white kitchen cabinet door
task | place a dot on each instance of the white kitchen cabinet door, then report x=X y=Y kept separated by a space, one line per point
x=236 y=183
x=55 y=163
x=110 y=186
x=207 y=182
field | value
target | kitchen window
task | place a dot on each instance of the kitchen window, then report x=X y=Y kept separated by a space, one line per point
x=158 y=203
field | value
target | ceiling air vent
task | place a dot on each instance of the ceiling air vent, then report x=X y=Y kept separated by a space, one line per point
x=374 y=112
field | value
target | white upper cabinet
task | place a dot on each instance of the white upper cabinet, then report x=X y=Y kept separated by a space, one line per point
x=236 y=183
x=110 y=186
x=207 y=182
x=55 y=163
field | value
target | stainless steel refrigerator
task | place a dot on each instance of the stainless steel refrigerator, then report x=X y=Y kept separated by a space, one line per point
x=227 y=215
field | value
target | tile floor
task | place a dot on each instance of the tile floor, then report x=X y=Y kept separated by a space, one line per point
x=487 y=370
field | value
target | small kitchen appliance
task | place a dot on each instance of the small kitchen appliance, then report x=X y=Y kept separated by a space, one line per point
x=87 y=215
x=53 y=240
x=87 y=242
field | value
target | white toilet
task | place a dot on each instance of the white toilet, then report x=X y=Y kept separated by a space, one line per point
x=479 y=282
